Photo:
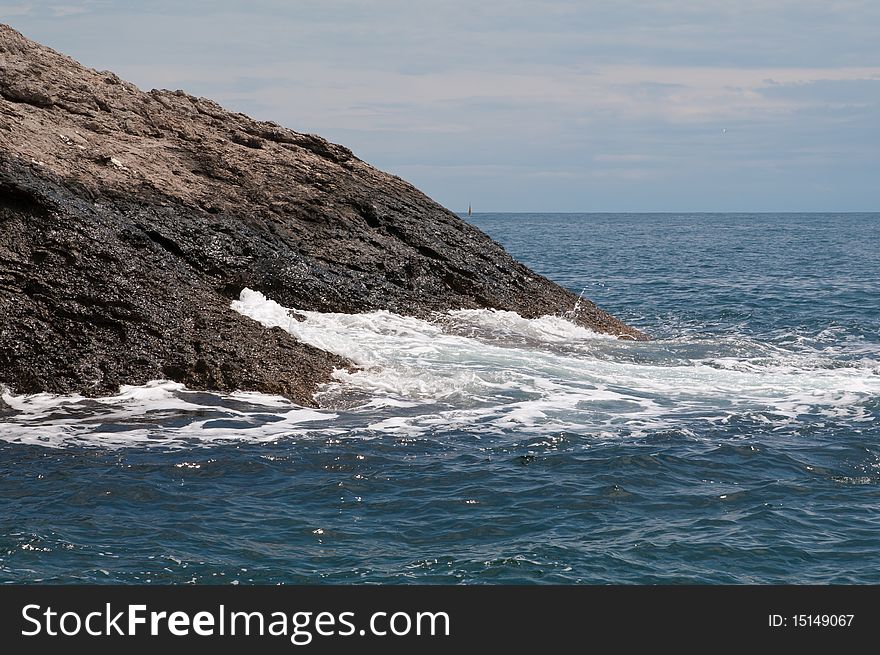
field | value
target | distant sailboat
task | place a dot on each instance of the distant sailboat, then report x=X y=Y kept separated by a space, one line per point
x=469 y=210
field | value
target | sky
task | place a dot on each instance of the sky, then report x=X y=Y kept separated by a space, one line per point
x=665 y=105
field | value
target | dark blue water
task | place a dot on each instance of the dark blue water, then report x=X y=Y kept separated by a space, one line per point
x=741 y=446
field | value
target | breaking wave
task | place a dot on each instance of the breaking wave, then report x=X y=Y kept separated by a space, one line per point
x=487 y=372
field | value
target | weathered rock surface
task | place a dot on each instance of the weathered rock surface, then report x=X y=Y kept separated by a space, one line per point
x=128 y=220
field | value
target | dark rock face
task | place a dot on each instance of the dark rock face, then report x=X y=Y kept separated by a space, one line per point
x=128 y=220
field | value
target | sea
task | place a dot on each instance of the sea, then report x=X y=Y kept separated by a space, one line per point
x=741 y=445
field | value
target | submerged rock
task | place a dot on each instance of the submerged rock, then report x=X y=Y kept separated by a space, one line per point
x=130 y=219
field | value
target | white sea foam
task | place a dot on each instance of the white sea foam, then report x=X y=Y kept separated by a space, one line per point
x=160 y=413
x=483 y=371
x=548 y=374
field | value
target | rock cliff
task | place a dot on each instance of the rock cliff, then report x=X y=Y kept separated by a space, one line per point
x=129 y=219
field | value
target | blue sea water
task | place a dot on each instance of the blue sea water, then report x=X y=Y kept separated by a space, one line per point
x=740 y=445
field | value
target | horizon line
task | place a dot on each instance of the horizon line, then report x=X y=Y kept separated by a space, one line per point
x=690 y=211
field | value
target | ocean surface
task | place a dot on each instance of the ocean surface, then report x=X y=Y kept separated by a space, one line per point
x=740 y=445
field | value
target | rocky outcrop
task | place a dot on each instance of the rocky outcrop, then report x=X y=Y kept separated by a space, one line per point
x=128 y=220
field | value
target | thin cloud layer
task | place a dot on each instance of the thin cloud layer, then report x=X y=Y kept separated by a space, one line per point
x=546 y=106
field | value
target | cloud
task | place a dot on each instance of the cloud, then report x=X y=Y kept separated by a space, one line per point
x=12 y=11
x=39 y=8
x=61 y=11
x=854 y=91
x=578 y=101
